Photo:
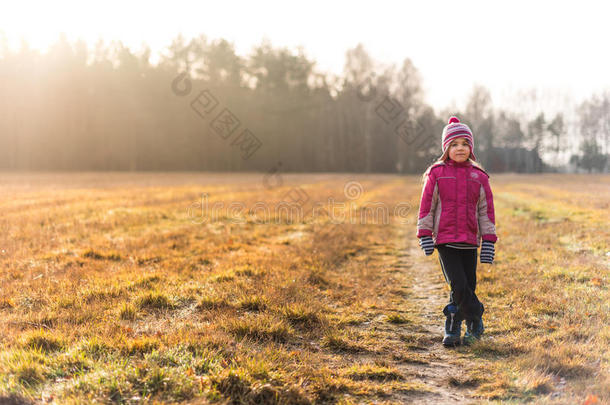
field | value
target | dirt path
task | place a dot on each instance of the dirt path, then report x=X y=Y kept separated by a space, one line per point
x=429 y=295
x=415 y=348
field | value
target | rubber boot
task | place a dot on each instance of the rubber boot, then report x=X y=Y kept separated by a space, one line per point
x=474 y=330
x=453 y=326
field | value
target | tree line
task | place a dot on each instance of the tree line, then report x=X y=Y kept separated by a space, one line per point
x=203 y=107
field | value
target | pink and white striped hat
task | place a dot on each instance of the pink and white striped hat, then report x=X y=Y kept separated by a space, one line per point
x=455 y=129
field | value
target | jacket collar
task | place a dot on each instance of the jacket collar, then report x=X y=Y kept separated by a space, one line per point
x=451 y=162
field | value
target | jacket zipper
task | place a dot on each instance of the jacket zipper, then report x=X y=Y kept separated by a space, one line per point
x=457 y=200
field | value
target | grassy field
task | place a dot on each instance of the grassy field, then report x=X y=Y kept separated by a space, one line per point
x=121 y=288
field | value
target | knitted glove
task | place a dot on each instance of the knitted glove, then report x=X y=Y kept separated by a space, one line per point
x=487 y=252
x=427 y=244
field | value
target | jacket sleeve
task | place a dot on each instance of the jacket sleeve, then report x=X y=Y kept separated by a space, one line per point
x=427 y=206
x=487 y=219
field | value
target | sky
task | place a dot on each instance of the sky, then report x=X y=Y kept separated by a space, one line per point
x=556 y=47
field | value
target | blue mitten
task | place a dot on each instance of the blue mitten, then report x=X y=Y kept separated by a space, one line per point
x=487 y=252
x=427 y=244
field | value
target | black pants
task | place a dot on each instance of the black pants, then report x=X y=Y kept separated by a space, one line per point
x=460 y=270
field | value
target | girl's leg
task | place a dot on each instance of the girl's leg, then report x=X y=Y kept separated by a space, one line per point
x=453 y=270
x=449 y=261
x=474 y=326
x=470 y=268
x=453 y=265
x=469 y=260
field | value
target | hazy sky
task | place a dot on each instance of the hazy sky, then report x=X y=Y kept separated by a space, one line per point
x=505 y=46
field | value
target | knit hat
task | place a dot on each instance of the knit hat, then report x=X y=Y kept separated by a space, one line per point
x=455 y=129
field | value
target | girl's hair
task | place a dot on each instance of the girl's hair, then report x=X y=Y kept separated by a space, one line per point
x=444 y=157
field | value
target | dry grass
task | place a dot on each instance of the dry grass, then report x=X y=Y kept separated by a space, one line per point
x=111 y=292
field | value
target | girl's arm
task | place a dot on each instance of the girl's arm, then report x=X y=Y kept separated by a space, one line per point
x=487 y=219
x=427 y=206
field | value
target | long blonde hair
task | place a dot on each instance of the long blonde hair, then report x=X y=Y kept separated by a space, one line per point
x=442 y=159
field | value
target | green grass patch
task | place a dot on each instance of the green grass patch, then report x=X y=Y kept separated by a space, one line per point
x=42 y=340
x=337 y=342
x=95 y=255
x=301 y=315
x=262 y=327
x=154 y=300
x=138 y=346
x=128 y=312
x=373 y=372
x=253 y=303
x=397 y=319
x=211 y=302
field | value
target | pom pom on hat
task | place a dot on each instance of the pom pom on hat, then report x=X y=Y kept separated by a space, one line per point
x=456 y=129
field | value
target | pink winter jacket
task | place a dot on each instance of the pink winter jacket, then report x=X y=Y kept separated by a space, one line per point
x=457 y=205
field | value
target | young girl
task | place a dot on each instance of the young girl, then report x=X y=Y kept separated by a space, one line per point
x=457 y=211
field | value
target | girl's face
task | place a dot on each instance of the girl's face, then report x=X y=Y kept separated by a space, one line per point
x=459 y=150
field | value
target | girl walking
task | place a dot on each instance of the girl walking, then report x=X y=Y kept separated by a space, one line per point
x=456 y=216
